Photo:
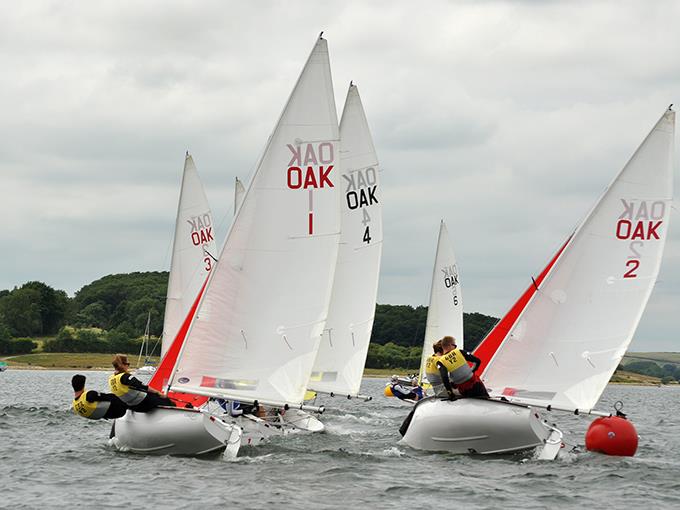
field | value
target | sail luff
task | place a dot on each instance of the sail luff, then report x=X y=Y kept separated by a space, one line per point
x=171 y=301
x=429 y=322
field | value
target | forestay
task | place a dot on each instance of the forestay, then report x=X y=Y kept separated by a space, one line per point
x=571 y=336
x=193 y=248
x=445 y=311
x=258 y=326
x=342 y=354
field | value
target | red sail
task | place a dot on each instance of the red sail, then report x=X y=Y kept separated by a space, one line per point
x=164 y=371
x=488 y=347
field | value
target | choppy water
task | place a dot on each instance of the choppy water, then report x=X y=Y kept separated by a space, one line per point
x=50 y=458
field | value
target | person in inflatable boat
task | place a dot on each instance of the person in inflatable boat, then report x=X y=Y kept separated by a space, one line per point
x=455 y=370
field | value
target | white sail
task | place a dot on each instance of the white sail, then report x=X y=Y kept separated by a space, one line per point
x=342 y=354
x=193 y=248
x=239 y=191
x=445 y=311
x=258 y=326
x=564 y=347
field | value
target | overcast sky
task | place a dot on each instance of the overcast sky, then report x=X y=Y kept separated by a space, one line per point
x=507 y=119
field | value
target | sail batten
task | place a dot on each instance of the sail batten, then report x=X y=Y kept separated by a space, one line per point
x=340 y=361
x=586 y=311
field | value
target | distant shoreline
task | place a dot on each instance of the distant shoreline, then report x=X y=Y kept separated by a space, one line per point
x=73 y=362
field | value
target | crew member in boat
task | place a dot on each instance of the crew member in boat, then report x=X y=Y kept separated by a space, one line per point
x=94 y=405
x=455 y=370
x=237 y=408
x=432 y=373
x=403 y=392
x=135 y=394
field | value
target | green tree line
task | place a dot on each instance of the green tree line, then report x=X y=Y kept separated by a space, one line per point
x=667 y=372
x=110 y=314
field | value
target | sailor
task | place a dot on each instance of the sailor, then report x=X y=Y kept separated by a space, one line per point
x=135 y=394
x=432 y=371
x=454 y=369
x=94 y=405
x=403 y=392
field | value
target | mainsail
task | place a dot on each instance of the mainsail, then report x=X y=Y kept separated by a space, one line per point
x=445 y=311
x=567 y=342
x=258 y=325
x=193 y=248
x=342 y=354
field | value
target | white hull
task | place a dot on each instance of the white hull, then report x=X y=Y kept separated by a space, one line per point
x=474 y=426
x=178 y=431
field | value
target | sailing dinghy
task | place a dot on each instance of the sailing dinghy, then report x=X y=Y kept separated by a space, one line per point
x=339 y=365
x=254 y=329
x=445 y=310
x=562 y=340
x=192 y=260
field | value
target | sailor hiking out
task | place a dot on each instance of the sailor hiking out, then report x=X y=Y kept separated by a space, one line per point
x=94 y=405
x=455 y=370
x=135 y=394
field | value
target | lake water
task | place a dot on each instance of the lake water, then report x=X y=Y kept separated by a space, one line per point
x=53 y=459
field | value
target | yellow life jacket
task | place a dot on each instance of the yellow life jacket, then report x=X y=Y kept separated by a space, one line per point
x=457 y=366
x=91 y=410
x=130 y=396
x=434 y=376
x=431 y=365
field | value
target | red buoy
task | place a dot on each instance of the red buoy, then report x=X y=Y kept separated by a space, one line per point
x=613 y=435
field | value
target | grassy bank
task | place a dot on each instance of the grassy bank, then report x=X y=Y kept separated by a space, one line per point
x=623 y=377
x=64 y=360
x=95 y=361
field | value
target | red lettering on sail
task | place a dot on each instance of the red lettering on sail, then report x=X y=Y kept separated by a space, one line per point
x=639 y=232
x=294 y=177
x=651 y=229
x=310 y=178
x=642 y=230
x=195 y=238
x=313 y=177
x=623 y=228
x=633 y=265
x=324 y=176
